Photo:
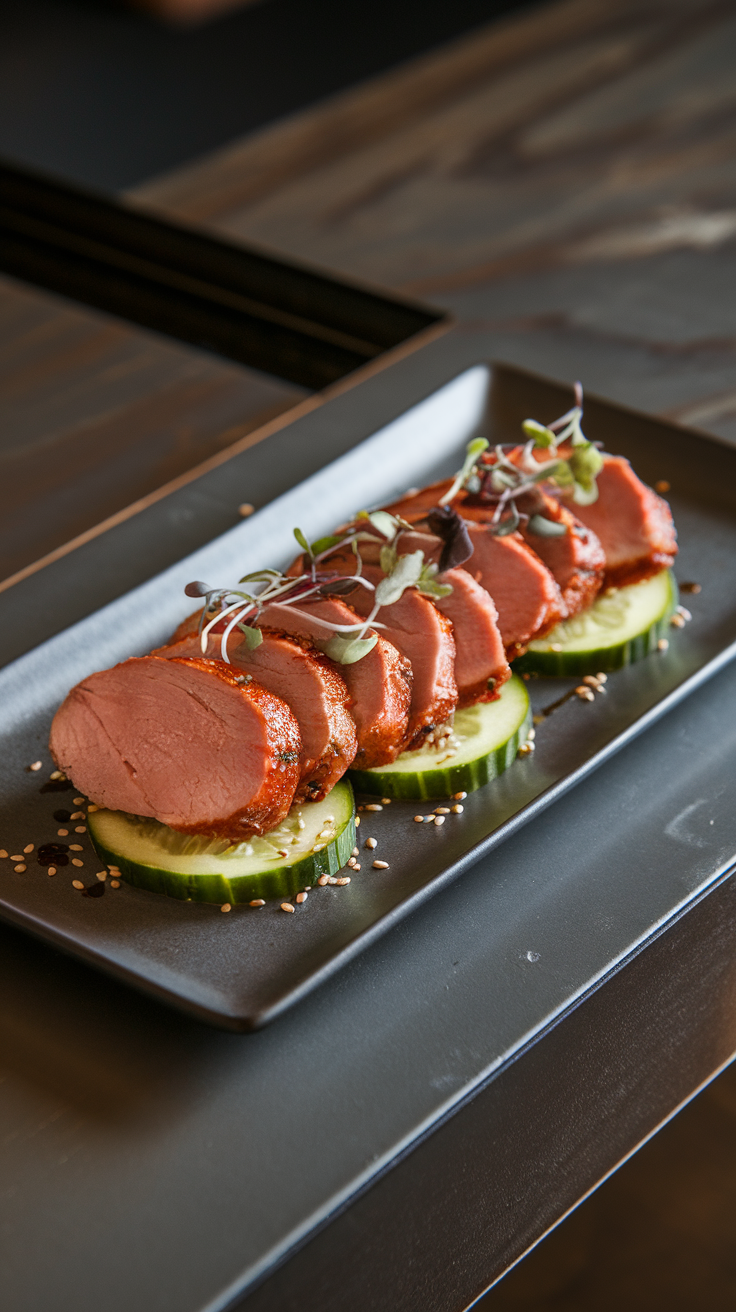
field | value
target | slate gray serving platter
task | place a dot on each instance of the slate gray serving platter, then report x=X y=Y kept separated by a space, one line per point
x=242 y=969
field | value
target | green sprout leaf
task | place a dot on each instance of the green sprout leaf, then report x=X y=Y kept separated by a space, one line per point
x=387 y=558
x=302 y=541
x=473 y=450
x=546 y=528
x=542 y=435
x=406 y=572
x=252 y=637
x=387 y=525
x=324 y=544
x=346 y=650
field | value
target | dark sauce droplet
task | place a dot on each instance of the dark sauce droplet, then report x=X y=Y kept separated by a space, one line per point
x=94 y=890
x=56 y=786
x=62 y=815
x=53 y=854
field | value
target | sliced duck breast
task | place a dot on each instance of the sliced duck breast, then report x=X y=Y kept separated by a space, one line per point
x=308 y=683
x=633 y=523
x=481 y=667
x=379 y=684
x=422 y=634
x=186 y=742
x=526 y=594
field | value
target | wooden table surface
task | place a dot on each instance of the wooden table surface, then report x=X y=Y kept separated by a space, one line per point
x=563 y=181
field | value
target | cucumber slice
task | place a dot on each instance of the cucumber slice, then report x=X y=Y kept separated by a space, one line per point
x=487 y=738
x=623 y=625
x=197 y=869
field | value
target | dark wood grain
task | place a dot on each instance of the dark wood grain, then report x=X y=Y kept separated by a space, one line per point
x=563 y=181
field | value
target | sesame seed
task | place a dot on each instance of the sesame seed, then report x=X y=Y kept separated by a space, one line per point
x=351 y=862
x=301 y=897
x=80 y=829
x=683 y=610
x=663 y=645
x=439 y=819
x=442 y=810
x=419 y=819
x=602 y=678
x=286 y=906
x=676 y=621
x=76 y=847
x=102 y=874
x=16 y=856
x=20 y=869
x=113 y=869
x=428 y=819
x=323 y=879
x=531 y=735
x=28 y=847
x=357 y=822
x=585 y=694
x=114 y=883
x=245 y=510
x=35 y=766
x=51 y=870
x=77 y=815
x=459 y=797
x=591 y=681
x=92 y=807
x=373 y=806
x=76 y=861
x=79 y=801
x=257 y=902
x=380 y=865
x=77 y=883
x=55 y=774
x=458 y=810
x=385 y=801
x=693 y=588
x=3 y=855
x=356 y=867
x=62 y=833
x=226 y=907
x=356 y=851
x=344 y=880
x=371 y=842
x=300 y=824
x=662 y=485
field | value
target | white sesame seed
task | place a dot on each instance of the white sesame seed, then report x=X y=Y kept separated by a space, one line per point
x=442 y=810
x=286 y=906
x=92 y=807
x=76 y=861
x=602 y=678
x=51 y=870
x=35 y=766
x=28 y=847
x=357 y=822
x=373 y=806
x=76 y=847
x=385 y=801
x=458 y=810
x=439 y=819
x=78 y=801
x=3 y=855
x=114 y=870
x=683 y=610
x=55 y=774
x=257 y=902
x=663 y=645
x=102 y=875
x=356 y=851
x=371 y=842
x=226 y=907
x=80 y=829
x=345 y=879
x=62 y=833
x=301 y=897
x=323 y=879
x=531 y=735
x=380 y=865
x=16 y=856
x=459 y=797
x=356 y=867
x=19 y=869
x=428 y=819
x=585 y=694
x=77 y=883
x=77 y=815
x=419 y=819
x=676 y=621
x=114 y=883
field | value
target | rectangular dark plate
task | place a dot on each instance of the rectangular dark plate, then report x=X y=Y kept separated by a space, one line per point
x=241 y=970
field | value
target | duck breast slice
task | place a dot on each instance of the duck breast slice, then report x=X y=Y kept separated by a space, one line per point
x=308 y=683
x=379 y=684
x=422 y=634
x=576 y=558
x=481 y=667
x=526 y=594
x=184 y=741
x=633 y=523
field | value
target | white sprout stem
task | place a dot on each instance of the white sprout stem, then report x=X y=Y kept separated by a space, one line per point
x=204 y=637
x=226 y=634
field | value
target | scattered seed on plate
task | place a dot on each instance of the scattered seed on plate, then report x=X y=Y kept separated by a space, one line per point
x=459 y=797
x=356 y=851
x=323 y=879
x=385 y=801
x=663 y=645
x=356 y=867
x=585 y=694
x=51 y=870
x=19 y=870
x=114 y=883
x=344 y=880
x=102 y=874
x=245 y=510
x=226 y=907
x=79 y=801
x=16 y=856
x=677 y=621
x=28 y=847
x=80 y=829
x=77 y=883
x=439 y=819
x=36 y=765
x=112 y=869
x=55 y=774
x=442 y=810
x=374 y=806
x=77 y=815
x=3 y=855
x=92 y=807
x=371 y=842
x=286 y=906
x=76 y=847
x=380 y=865
x=662 y=485
x=63 y=833
x=419 y=819
x=458 y=809
x=301 y=897
x=357 y=822
x=257 y=902
x=692 y=588
x=76 y=861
